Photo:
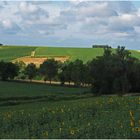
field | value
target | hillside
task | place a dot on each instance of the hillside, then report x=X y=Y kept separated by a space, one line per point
x=40 y=111
x=9 y=53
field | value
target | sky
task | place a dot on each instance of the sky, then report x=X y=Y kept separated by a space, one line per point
x=70 y=23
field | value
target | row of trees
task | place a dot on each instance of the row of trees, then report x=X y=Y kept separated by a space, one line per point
x=8 y=70
x=115 y=72
x=111 y=73
x=101 y=46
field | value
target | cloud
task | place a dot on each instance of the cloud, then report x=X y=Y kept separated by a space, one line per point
x=77 y=19
x=100 y=19
x=8 y=27
x=87 y=10
x=30 y=12
x=97 y=10
x=122 y=6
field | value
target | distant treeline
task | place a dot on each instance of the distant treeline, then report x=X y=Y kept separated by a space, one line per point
x=112 y=73
x=101 y=46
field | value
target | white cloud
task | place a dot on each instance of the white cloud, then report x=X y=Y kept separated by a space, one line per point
x=82 y=19
x=8 y=27
x=30 y=12
x=7 y=24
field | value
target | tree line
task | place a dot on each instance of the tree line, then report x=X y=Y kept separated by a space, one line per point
x=113 y=73
x=101 y=46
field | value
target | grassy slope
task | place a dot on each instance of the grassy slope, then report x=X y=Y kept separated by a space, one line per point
x=85 y=54
x=12 y=52
x=32 y=89
x=63 y=118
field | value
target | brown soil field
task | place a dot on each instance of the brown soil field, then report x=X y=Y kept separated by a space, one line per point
x=40 y=60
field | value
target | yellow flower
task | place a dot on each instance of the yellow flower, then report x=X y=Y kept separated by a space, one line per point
x=46 y=133
x=62 y=110
x=60 y=129
x=72 y=132
x=131 y=113
x=121 y=126
x=111 y=100
x=7 y=115
x=132 y=123
x=136 y=129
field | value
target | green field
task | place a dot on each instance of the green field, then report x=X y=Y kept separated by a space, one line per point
x=8 y=53
x=29 y=110
x=85 y=54
x=35 y=110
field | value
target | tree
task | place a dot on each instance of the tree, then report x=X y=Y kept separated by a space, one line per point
x=31 y=71
x=133 y=73
x=110 y=72
x=101 y=46
x=22 y=66
x=78 y=72
x=49 y=69
x=121 y=59
x=65 y=74
x=8 y=70
x=61 y=74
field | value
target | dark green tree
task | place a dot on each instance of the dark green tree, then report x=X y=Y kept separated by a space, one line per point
x=78 y=72
x=8 y=70
x=49 y=69
x=22 y=66
x=30 y=71
x=110 y=72
x=65 y=74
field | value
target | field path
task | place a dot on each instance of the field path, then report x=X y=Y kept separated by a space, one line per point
x=33 y=53
x=45 y=82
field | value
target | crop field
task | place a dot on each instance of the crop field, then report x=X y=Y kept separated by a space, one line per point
x=84 y=54
x=29 y=110
x=13 y=52
x=8 y=53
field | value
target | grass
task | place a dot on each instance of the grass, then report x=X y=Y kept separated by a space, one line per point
x=84 y=54
x=35 y=89
x=135 y=54
x=8 y=53
x=12 y=52
x=42 y=111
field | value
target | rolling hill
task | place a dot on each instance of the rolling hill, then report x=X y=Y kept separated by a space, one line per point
x=9 y=53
